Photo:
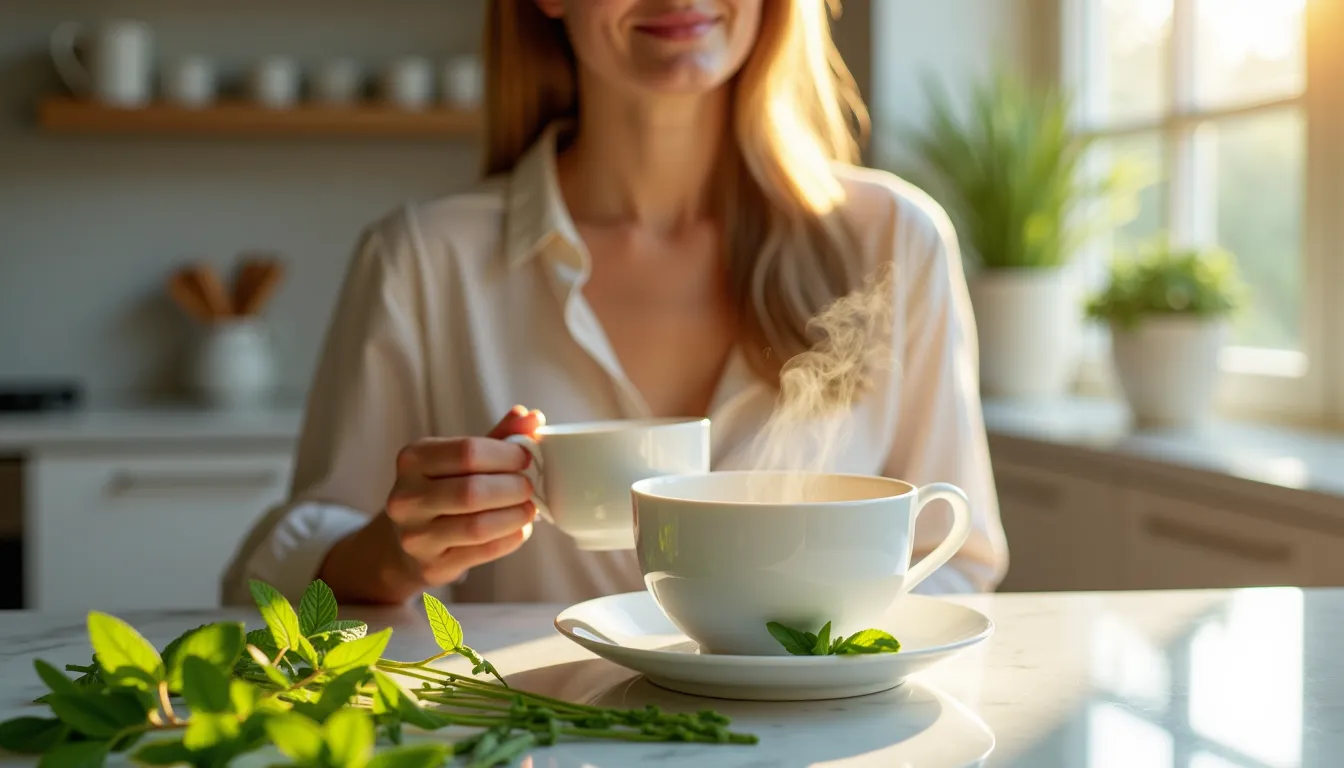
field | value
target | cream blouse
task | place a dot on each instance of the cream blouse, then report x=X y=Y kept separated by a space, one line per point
x=455 y=310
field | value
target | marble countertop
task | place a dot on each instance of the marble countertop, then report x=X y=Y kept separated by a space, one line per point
x=1201 y=679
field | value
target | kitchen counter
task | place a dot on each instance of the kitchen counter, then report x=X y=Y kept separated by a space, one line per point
x=1197 y=679
x=1288 y=458
x=22 y=433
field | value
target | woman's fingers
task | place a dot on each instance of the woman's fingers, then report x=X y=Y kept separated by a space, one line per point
x=417 y=503
x=459 y=560
x=435 y=457
x=427 y=542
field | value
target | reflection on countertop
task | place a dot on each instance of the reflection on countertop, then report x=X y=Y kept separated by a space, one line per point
x=1186 y=679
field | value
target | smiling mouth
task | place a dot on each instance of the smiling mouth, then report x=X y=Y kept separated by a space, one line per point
x=678 y=26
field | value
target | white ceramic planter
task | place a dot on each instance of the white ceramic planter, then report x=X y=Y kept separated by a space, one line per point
x=1168 y=368
x=234 y=366
x=1029 y=323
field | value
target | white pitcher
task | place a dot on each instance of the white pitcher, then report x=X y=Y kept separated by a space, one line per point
x=120 y=56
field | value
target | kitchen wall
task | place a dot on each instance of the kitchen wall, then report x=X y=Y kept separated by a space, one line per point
x=90 y=227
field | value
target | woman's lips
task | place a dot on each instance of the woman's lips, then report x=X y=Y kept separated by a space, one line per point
x=685 y=25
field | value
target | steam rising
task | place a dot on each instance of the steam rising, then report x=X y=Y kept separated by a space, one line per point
x=820 y=388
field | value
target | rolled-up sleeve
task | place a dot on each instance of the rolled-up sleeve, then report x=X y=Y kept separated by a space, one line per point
x=366 y=401
x=940 y=431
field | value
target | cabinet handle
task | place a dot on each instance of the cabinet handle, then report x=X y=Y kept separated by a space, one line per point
x=1180 y=533
x=1041 y=494
x=160 y=485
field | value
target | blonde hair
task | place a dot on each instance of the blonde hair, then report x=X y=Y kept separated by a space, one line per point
x=796 y=110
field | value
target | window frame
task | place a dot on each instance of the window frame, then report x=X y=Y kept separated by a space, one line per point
x=1256 y=383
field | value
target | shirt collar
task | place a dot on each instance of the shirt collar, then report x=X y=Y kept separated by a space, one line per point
x=536 y=212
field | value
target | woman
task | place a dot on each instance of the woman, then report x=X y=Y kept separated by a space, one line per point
x=666 y=206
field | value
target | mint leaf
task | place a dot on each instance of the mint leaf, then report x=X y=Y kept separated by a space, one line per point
x=262 y=639
x=391 y=698
x=206 y=730
x=259 y=658
x=278 y=613
x=31 y=735
x=330 y=635
x=205 y=687
x=794 y=641
x=307 y=652
x=822 y=645
x=243 y=697
x=317 y=607
x=123 y=652
x=364 y=652
x=299 y=738
x=164 y=753
x=349 y=736
x=479 y=665
x=54 y=678
x=98 y=715
x=869 y=641
x=75 y=754
x=337 y=693
x=447 y=630
x=219 y=645
x=416 y=756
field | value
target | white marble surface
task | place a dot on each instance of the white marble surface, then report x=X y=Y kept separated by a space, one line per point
x=1154 y=680
x=1291 y=458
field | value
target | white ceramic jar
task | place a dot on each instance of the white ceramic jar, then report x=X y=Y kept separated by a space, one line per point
x=234 y=364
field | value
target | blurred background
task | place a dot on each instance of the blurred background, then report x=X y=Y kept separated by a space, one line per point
x=1149 y=195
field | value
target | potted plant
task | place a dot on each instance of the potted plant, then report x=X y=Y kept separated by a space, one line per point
x=1168 y=310
x=1010 y=176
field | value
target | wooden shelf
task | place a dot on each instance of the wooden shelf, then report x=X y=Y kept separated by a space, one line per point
x=240 y=119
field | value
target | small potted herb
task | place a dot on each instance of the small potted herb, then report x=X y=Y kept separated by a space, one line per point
x=1168 y=311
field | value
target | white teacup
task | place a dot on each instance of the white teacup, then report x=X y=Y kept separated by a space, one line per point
x=725 y=553
x=583 y=472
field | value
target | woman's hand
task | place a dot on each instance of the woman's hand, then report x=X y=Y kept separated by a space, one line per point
x=457 y=503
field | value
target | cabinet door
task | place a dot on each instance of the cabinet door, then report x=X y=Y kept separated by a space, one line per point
x=1064 y=533
x=145 y=532
x=1177 y=544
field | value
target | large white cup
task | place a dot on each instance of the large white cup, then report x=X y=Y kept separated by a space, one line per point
x=120 y=61
x=583 y=472
x=725 y=553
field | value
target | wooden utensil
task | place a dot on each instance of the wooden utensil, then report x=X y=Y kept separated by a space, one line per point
x=182 y=288
x=212 y=291
x=257 y=280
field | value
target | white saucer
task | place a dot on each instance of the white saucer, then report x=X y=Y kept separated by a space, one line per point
x=632 y=631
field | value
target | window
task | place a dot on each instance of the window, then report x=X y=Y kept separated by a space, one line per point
x=1235 y=111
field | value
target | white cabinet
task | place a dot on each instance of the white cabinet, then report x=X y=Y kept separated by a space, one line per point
x=1063 y=532
x=120 y=532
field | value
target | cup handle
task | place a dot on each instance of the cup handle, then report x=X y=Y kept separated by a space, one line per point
x=534 y=474
x=63 y=41
x=961 y=530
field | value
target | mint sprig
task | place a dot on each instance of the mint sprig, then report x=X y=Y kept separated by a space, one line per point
x=800 y=643
x=314 y=686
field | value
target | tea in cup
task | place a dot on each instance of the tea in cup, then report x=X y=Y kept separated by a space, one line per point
x=582 y=472
x=725 y=553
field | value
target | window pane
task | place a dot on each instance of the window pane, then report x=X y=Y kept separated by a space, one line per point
x=1128 y=54
x=1249 y=50
x=1141 y=214
x=1255 y=175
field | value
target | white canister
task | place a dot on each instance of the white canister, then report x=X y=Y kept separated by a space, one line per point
x=463 y=82
x=408 y=83
x=189 y=82
x=234 y=364
x=275 y=82
x=120 y=61
x=337 y=83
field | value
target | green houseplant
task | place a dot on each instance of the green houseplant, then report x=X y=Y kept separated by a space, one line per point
x=1011 y=174
x=1168 y=309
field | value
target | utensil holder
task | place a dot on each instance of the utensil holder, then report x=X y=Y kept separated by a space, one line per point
x=234 y=364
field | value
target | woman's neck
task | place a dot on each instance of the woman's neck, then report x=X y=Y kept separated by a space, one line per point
x=651 y=163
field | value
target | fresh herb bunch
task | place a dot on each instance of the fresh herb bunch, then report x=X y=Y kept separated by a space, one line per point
x=800 y=643
x=314 y=686
x=1163 y=280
